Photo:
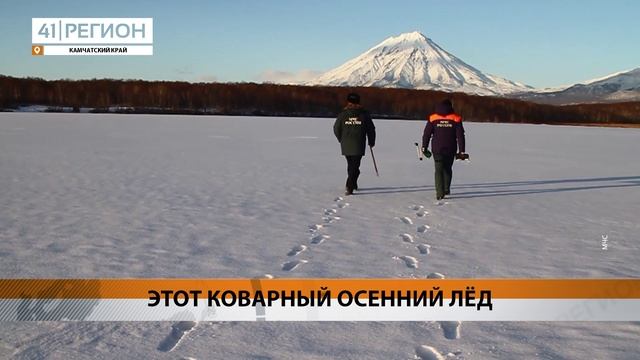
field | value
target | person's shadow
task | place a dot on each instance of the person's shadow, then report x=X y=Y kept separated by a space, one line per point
x=511 y=188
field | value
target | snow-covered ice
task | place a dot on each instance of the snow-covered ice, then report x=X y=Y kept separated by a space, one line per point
x=99 y=195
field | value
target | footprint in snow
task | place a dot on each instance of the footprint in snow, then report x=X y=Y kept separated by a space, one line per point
x=297 y=250
x=424 y=352
x=339 y=198
x=406 y=220
x=315 y=227
x=330 y=211
x=410 y=261
x=451 y=329
x=416 y=207
x=406 y=238
x=435 y=275
x=343 y=205
x=425 y=249
x=422 y=213
x=423 y=228
x=291 y=265
x=330 y=219
x=440 y=203
x=319 y=239
x=178 y=331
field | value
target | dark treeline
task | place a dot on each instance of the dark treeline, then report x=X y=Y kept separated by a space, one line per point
x=292 y=100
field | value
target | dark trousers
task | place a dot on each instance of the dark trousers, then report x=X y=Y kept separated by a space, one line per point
x=444 y=173
x=353 y=171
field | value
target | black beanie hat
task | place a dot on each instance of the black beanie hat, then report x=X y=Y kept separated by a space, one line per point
x=353 y=98
x=445 y=107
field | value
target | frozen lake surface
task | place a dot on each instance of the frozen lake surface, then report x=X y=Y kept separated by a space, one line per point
x=89 y=195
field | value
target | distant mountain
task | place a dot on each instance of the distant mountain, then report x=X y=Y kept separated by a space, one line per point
x=413 y=61
x=618 y=87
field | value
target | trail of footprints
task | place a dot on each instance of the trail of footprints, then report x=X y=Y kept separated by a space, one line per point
x=317 y=234
x=422 y=248
x=450 y=329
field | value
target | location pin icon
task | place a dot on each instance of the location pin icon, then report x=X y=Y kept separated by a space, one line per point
x=36 y=50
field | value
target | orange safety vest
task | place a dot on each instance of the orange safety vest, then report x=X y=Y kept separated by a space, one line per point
x=453 y=117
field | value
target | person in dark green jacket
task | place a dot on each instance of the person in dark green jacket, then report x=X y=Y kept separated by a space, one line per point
x=352 y=129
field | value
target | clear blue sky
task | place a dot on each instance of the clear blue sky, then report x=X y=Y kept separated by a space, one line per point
x=542 y=43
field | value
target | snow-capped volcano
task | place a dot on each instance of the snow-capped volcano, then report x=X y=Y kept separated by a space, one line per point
x=412 y=60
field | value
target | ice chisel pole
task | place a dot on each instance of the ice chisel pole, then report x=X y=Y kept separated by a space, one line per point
x=375 y=166
x=419 y=152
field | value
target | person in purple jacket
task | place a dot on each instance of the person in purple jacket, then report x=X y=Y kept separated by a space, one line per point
x=445 y=126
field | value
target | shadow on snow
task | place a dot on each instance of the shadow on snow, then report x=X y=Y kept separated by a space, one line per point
x=515 y=187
